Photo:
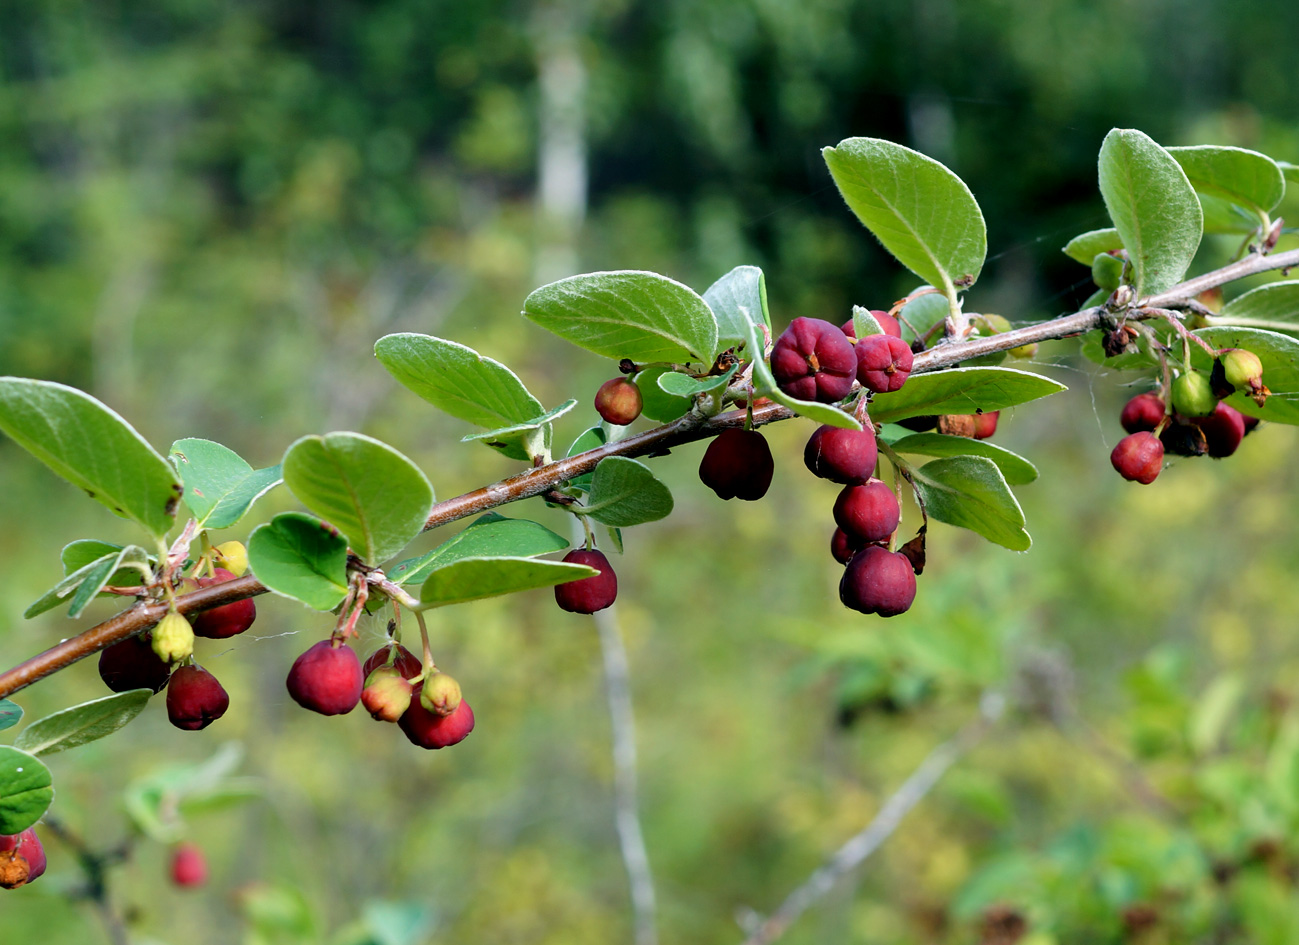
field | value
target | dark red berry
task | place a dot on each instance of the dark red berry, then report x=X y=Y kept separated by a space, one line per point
x=883 y=363
x=22 y=859
x=1142 y=412
x=878 y=581
x=1138 y=457
x=867 y=512
x=195 y=699
x=1223 y=430
x=886 y=322
x=430 y=730
x=985 y=424
x=843 y=456
x=188 y=866
x=227 y=620
x=587 y=595
x=132 y=664
x=618 y=401
x=327 y=679
x=843 y=546
x=814 y=360
x=407 y=663
x=738 y=465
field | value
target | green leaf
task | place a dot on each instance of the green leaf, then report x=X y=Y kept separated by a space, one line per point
x=490 y=536
x=738 y=300
x=523 y=441
x=1014 y=468
x=77 y=554
x=1223 y=216
x=961 y=391
x=10 y=713
x=25 y=790
x=219 y=486
x=624 y=492
x=1280 y=357
x=457 y=379
x=478 y=578
x=93 y=448
x=1085 y=246
x=153 y=801
x=1271 y=303
x=83 y=723
x=765 y=386
x=1291 y=171
x=1243 y=177
x=373 y=494
x=969 y=492
x=864 y=324
x=1213 y=710
x=639 y=315
x=659 y=404
x=683 y=385
x=398 y=923
x=301 y=557
x=1153 y=207
x=922 y=212
x=922 y=313
x=591 y=439
x=87 y=581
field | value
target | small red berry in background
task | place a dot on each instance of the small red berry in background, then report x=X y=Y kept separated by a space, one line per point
x=188 y=866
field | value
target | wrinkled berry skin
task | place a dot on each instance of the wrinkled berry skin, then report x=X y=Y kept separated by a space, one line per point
x=1142 y=412
x=28 y=846
x=839 y=455
x=132 y=664
x=326 y=679
x=1223 y=430
x=867 y=512
x=1138 y=457
x=195 y=699
x=814 y=360
x=886 y=322
x=407 y=663
x=843 y=546
x=738 y=465
x=878 y=581
x=618 y=401
x=985 y=424
x=188 y=866
x=430 y=730
x=228 y=620
x=883 y=363
x=588 y=595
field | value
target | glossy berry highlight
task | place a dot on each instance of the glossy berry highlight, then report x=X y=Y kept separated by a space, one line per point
x=840 y=455
x=878 y=581
x=326 y=679
x=868 y=512
x=618 y=401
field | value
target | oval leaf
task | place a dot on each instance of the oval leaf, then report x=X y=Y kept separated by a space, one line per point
x=961 y=391
x=93 y=448
x=523 y=440
x=25 y=790
x=1085 y=246
x=765 y=386
x=490 y=536
x=738 y=300
x=1153 y=206
x=219 y=486
x=299 y=556
x=969 y=492
x=1243 y=177
x=639 y=315
x=624 y=492
x=458 y=379
x=683 y=385
x=10 y=713
x=81 y=586
x=478 y=578
x=1014 y=468
x=83 y=723
x=77 y=554
x=1265 y=306
x=922 y=212
x=659 y=404
x=373 y=494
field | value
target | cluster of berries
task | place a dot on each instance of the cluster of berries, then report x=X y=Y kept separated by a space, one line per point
x=1198 y=423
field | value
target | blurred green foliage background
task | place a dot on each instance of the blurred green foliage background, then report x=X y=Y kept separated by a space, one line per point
x=210 y=210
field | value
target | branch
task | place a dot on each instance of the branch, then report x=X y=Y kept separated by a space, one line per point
x=853 y=853
x=534 y=482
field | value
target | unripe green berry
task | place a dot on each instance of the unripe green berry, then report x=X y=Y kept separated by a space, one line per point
x=1193 y=395
x=1242 y=368
x=440 y=695
x=387 y=694
x=233 y=556
x=173 y=638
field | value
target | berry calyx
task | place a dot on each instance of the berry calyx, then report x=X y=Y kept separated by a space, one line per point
x=883 y=363
x=441 y=694
x=840 y=455
x=1223 y=430
x=878 y=581
x=195 y=699
x=173 y=638
x=814 y=360
x=738 y=465
x=387 y=694
x=868 y=512
x=618 y=401
x=886 y=321
x=188 y=866
x=1244 y=371
x=22 y=859
x=1192 y=395
x=228 y=620
x=1142 y=412
x=326 y=679
x=1138 y=457
x=587 y=595
x=132 y=664
x=430 y=730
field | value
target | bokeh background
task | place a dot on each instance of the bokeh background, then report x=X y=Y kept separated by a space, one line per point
x=210 y=210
